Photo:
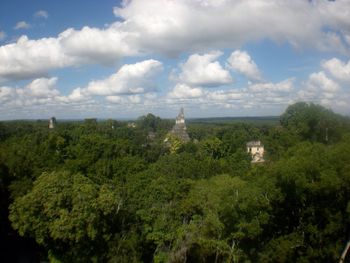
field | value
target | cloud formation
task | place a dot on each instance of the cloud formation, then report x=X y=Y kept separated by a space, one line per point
x=128 y=85
x=39 y=91
x=27 y=58
x=196 y=25
x=203 y=70
x=338 y=69
x=243 y=63
x=172 y=27
x=322 y=89
x=32 y=58
x=41 y=14
x=93 y=45
x=21 y=25
x=183 y=91
x=252 y=95
x=129 y=79
x=319 y=81
x=281 y=87
x=167 y=30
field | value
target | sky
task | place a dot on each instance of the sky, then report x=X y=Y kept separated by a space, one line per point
x=216 y=58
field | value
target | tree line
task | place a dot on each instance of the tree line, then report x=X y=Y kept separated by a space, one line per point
x=107 y=192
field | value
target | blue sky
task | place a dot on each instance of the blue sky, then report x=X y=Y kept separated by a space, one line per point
x=111 y=59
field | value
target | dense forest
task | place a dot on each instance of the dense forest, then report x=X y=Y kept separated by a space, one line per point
x=107 y=191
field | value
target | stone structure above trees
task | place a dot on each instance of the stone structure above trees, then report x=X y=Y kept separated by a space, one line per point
x=256 y=150
x=52 y=123
x=179 y=129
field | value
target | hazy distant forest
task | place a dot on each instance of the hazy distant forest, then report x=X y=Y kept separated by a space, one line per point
x=87 y=192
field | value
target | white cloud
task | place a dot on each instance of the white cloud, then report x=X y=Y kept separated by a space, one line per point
x=32 y=58
x=94 y=45
x=243 y=63
x=6 y=94
x=320 y=82
x=41 y=14
x=39 y=91
x=332 y=41
x=166 y=27
x=183 y=91
x=319 y=87
x=283 y=86
x=2 y=35
x=130 y=79
x=226 y=95
x=42 y=87
x=201 y=25
x=130 y=99
x=129 y=85
x=323 y=89
x=77 y=95
x=253 y=96
x=338 y=69
x=171 y=27
x=203 y=70
x=22 y=25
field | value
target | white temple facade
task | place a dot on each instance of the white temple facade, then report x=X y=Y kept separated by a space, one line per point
x=52 y=123
x=256 y=150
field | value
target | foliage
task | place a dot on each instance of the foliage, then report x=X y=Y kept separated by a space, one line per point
x=312 y=122
x=67 y=211
x=100 y=191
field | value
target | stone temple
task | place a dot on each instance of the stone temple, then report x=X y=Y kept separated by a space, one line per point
x=52 y=123
x=179 y=129
x=256 y=150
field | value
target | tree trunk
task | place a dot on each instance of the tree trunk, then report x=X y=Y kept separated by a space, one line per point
x=343 y=255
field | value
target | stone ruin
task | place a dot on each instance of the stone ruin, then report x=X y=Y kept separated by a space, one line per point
x=179 y=129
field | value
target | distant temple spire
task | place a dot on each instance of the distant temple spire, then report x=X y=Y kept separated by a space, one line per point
x=52 y=123
x=180 y=119
x=179 y=129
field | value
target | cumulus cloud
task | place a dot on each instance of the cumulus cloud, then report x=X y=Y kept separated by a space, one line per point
x=319 y=87
x=283 y=86
x=77 y=95
x=251 y=96
x=42 y=92
x=333 y=41
x=196 y=25
x=130 y=99
x=129 y=85
x=183 y=91
x=7 y=94
x=203 y=70
x=171 y=27
x=319 y=81
x=94 y=45
x=42 y=87
x=32 y=58
x=129 y=79
x=41 y=14
x=226 y=96
x=21 y=25
x=338 y=69
x=39 y=91
x=243 y=63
